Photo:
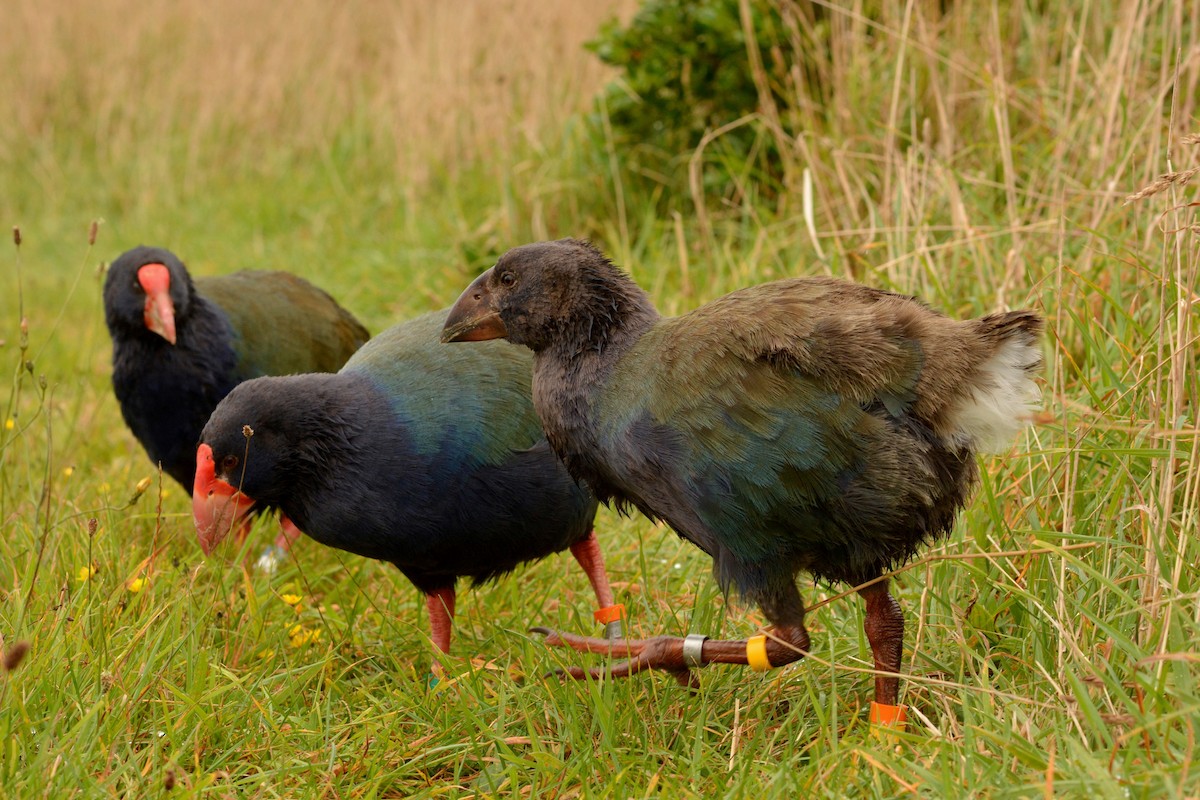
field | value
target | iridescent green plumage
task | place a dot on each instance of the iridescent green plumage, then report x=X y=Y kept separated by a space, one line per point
x=481 y=393
x=282 y=324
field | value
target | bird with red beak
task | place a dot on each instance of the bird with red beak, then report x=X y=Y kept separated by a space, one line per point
x=180 y=344
x=431 y=460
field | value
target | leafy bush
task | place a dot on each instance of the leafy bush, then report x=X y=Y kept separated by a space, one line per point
x=686 y=70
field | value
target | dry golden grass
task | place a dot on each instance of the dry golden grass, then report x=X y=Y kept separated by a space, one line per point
x=445 y=82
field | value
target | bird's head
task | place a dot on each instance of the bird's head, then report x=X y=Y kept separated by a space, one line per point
x=238 y=465
x=537 y=294
x=217 y=507
x=286 y=442
x=147 y=289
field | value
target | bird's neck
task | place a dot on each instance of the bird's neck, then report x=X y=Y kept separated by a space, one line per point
x=605 y=321
x=564 y=406
x=609 y=316
x=566 y=383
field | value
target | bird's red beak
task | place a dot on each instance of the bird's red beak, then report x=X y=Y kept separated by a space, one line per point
x=160 y=311
x=217 y=507
x=474 y=317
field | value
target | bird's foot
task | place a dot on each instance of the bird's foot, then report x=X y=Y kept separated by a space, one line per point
x=679 y=656
x=661 y=652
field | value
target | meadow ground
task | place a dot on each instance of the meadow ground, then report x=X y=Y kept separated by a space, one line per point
x=391 y=150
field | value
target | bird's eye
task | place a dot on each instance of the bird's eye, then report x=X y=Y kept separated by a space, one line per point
x=508 y=279
x=229 y=463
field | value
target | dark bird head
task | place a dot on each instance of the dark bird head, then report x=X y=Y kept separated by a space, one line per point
x=263 y=443
x=147 y=290
x=545 y=293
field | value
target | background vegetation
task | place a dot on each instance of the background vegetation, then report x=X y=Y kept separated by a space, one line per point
x=979 y=154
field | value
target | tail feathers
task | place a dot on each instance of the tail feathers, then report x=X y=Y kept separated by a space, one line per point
x=1003 y=394
x=1019 y=324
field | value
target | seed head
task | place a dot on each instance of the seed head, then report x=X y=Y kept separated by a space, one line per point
x=15 y=654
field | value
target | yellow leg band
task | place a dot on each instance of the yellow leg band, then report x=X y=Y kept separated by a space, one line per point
x=756 y=653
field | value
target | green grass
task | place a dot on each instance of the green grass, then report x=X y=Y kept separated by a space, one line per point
x=981 y=160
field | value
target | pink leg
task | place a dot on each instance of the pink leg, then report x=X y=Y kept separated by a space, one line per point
x=440 y=605
x=587 y=553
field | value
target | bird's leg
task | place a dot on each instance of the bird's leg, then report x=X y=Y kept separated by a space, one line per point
x=587 y=553
x=884 y=624
x=786 y=642
x=782 y=645
x=440 y=605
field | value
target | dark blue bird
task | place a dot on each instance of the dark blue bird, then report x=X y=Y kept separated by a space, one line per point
x=430 y=458
x=179 y=345
x=807 y=425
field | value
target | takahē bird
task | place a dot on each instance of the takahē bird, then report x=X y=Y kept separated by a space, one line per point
x=801 y=425
x=429 y=458
x=180 y=345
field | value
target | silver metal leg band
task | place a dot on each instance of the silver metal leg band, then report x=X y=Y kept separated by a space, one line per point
x=693 y=648
x=614 y=630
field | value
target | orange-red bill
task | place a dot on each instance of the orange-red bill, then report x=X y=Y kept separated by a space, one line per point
x=217 y=507
x=159 y=314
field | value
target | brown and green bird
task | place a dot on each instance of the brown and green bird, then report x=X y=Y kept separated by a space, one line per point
x=180 y=345
x=807 y=425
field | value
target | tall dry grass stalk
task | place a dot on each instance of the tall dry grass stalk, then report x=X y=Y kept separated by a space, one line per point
x=1172 y=510
x=918 y=121
x=444 y=82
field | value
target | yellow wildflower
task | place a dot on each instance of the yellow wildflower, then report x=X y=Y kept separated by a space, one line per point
x=85 y=574
x=291 y=599
x=68 y=472
x=9 y=424
x=301 y=635
x=135 y=585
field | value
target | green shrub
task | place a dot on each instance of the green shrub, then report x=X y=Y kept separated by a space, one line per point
x=686 y=70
